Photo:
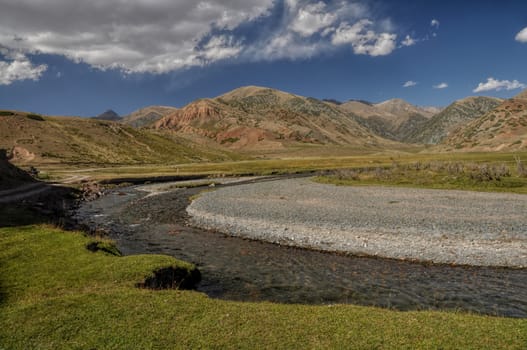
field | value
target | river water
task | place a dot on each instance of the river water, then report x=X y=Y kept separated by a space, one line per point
x=244 y=270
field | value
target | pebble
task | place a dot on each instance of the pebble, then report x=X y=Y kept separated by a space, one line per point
x=441 y=226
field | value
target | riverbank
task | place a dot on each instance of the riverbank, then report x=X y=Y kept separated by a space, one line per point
x=55 y=294
x=449 y=227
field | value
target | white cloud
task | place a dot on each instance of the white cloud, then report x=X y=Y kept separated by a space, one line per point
x=440 y=86
x=434 y=23
x=221 y=47
x=19 y=69
x=155 y=36
x=493 y=84
x=159 y=36
x=409 y=83
x=311 y=19
x=364 y=40
x=408 y=41
x=522 y=36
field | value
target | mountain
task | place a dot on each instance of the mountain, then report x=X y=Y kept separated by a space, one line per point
x=109 y=115
x=147 y=115
x=35 y=139
x=459 y=113
x=403 y=109
x=393 y=119
x=255 y=117
x=503 y=128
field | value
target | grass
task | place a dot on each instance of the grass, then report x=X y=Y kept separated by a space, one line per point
x=57 y=294
x=436 y=175
x=271 y=166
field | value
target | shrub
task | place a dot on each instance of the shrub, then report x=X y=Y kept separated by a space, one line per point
x=347 y=174
x=485 y=172
x=6 y=113
x=521 y=168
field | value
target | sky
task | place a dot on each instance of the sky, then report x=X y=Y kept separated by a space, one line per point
x=64 y=57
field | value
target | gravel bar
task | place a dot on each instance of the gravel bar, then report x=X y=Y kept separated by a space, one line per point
x=440 y=226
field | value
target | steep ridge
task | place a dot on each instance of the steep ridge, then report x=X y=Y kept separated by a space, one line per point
x=394 y=119
x=261 y=118
x=147 y=115
x=34 y=139
x=503 y=128
x=452 y=118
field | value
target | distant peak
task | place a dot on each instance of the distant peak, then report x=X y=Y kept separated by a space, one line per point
x=248 y=91
x=108 y=115
x=393 y=101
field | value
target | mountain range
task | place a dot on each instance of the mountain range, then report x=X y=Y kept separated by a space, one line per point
x=393 y=119
x=502 y=128
x=261 y=118
x=256 y=120
x=437 y=128
x=31 y=138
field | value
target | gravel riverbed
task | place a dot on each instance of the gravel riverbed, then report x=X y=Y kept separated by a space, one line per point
x=440 y=226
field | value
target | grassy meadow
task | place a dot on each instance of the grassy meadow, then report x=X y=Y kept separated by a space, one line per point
x=57 y=294
x=266 y=166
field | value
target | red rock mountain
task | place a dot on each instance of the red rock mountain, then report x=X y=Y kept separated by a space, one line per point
x=261 y=118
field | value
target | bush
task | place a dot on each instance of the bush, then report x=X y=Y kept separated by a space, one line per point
x=521 y=168
x=485 y=172
x=6 y=113
x=346 y=174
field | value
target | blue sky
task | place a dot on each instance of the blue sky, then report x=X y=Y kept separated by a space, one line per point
x=68 y=57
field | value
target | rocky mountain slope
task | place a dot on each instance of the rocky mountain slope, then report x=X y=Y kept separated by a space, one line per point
x=503 y=128
x=35 y=139
x=147 y=115
x=254 y=117
x=459 y=113
x=394 y=119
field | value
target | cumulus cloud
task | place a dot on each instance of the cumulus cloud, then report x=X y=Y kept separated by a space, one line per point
x=497 y=85
x=133 y=35
x=434 y=23
x=18 y=67
x=364 y=40
x=440 y=86
x=159 y=36
x=409 y=83
x=522 y=36
x=312 y=18
x=408 y=41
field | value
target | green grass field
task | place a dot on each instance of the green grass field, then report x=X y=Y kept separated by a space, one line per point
x=468 y=176
x=272 y=165
x=55 y=294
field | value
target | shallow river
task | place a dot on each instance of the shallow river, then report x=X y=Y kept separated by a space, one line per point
x=238 y=269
